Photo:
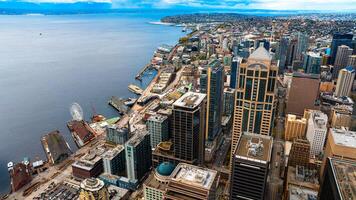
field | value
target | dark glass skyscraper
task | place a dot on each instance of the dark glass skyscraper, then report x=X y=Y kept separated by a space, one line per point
x=212 y=83
x=234 y=72
x=283 y=53
x=338 y=40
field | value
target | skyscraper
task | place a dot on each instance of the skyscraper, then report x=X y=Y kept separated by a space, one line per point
x=251 y=161
x=282 y=53
x=299 y=153
x=234 y=72
x=342 y=57
x=255 y=96
x=338 y=40
x=352 y=61
x=302 y=45
x=138 y=153
x=339 y=180
x=189 y=127
x=312 y=63
x=212 y=83
x=116 y=135
x=114 y=160
x=157 y=125
x=345 y=81
x=294 y=128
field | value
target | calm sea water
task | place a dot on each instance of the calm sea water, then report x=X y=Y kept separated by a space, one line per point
x=49 y=62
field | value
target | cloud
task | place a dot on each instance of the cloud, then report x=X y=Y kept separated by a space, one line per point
x=222 y=4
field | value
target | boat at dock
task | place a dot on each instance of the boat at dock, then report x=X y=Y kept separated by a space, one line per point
x=135 y=89
x=118 y=104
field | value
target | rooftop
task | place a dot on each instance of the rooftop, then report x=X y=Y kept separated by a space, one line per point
x=110 y=154
x=319 y=119
x=92 y=184
x=261 y=54
x=157 y=118
x=254 y=147
x=193 y=175
x=344 y=137
x=190 y=100
x=344 y=174
x=299 y=193
x=137 y=138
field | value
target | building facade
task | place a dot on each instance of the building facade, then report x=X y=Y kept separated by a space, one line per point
x=294 y=128
x=299 y=153
x=250 y=167
x=116 y=135
x=189 y=127
x=157 y=126
x=341 y=59
x=311 y=63
x=338 y=40
x=138 y=153
x=345 y=81
x=255 y=96
x=93 y=188
x=316 y=131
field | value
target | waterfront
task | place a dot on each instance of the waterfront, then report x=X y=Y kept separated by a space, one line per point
x=52 y=61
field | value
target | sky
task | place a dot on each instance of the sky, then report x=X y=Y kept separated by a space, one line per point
x=337 y=5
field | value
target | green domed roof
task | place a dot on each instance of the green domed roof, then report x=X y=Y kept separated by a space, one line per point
x=165 y=168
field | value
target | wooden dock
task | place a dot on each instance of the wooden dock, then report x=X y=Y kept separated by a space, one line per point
x=118 y=104
x=140 y=73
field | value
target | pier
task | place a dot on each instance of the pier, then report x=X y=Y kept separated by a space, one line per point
x=142 y=71
x=118 y=104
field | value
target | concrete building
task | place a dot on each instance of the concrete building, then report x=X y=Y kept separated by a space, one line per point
x=316 y=131
x=296 y=105
x=116 y=135
x=255 y=96
x=342 y=57
x=312 y=63
x=302 y=46
x=157 y=126
x=90 y=165
x=345 y=81
x=114 y=160
x=294 y=128
x=192 y=182
x=251 y=161
x=138 y=153
x=339 y=182
x=212 y=84
x=282 y=53
x=229 y=101
x=93 y=188
x=155 y=185
x=352 y=61
x=341 y=116
x=189 y=127
x=299 y=153
x=341 y=144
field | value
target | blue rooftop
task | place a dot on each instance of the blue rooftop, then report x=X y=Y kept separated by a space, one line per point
x=165 y=168
x=350 y=69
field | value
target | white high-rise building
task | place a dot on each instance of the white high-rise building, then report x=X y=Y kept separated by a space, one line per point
x=316 y=131
x=345 y=82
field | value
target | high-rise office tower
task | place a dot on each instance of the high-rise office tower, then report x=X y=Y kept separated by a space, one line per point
x=299 y=153
x=255 y=96
x=300 y=81
x=114 y=160
x=263 y=42
x=212 y=83
x=352 y=61
x=339 y=180
x=291 y=52
x=229 y=101
x=342 y=57
x=312 y=63
x=316 y=131
x=302 y=45
x=282 y=53
x=338 y=40
x=157 y=126
x=345 y=81
x=341 y=143
x=138 y=153
x=251 y=161
x=234 y=71
x=192 y=182
x=294 y=128
x=189 y=127
x=93 y=188
x=116 y=135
